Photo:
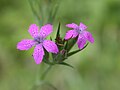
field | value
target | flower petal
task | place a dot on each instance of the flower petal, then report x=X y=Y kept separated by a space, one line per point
x=25 y=44
x=46 y=30
x=72 y=25
x=88 y=36
x=71 y=34
x=81 y=41
x=83 y=26
x=38 y=53
x=33 y=30
x=50 y=46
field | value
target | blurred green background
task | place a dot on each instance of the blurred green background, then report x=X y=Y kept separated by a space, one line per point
x=96 y=68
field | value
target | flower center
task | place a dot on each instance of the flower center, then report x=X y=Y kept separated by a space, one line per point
x=79 y=30
x=39 y=39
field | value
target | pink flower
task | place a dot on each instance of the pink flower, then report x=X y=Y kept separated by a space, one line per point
x=81 y=32
x=39 y=42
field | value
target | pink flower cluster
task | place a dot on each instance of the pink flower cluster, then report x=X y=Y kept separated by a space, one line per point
x=40 y=42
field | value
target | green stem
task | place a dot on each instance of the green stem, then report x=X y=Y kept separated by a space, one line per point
x=45 y=72
x=35 y=12
x=34 y=87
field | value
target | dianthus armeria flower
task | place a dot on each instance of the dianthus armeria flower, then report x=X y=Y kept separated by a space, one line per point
x=80 y=32
x=39 y=42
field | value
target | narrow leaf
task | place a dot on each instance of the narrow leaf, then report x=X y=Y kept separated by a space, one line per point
x=70 y=43
x=51 y=38
x=34 y=12
x=66 y=44
x=58 y=31
x=56 y=7
x=66 y=64
x=58 y=39
x=76 y=51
